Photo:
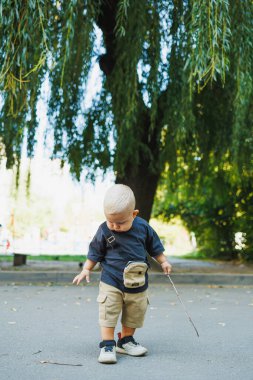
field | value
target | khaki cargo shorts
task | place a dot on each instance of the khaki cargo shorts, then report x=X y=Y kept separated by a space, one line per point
x=113 y=301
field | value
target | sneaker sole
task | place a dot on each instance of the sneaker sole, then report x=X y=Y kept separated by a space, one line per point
x=107 y=362
x=122 y=351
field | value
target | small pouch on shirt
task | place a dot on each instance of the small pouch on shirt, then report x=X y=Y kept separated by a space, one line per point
x=134 y=274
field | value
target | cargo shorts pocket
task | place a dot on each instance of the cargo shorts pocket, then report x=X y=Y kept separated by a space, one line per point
x=102 y=307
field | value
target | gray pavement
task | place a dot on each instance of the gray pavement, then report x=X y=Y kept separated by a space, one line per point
x=185 y=271
x=59 y=324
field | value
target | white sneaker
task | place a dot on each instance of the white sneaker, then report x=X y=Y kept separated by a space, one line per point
x=129 y=346
x=107 y=353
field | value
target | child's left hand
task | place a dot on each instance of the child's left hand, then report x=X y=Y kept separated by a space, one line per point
x=84 y=274
x=166 y=267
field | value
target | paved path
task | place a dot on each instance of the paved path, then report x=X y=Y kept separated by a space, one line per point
x=184 y=271
x=180 y=265
x=59 y=324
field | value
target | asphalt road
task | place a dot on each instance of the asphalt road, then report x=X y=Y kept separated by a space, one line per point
x=59 y=324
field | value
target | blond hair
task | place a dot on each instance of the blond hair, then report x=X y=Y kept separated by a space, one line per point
x=119 y=198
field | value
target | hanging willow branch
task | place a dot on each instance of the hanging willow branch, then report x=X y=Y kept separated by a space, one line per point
x=20 y=58
x=210 y=41
x=242 y=45
x=121 y=18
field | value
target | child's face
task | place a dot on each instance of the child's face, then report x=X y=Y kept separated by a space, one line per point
x=122 y=221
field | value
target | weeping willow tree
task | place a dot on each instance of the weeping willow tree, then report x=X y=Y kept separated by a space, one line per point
x=205 y=189
x=209 y=181
x=155 y=56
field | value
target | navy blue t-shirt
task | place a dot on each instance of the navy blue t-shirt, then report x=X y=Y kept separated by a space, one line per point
x=131 y=245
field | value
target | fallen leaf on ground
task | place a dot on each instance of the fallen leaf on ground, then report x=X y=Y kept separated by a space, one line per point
x=215 y=286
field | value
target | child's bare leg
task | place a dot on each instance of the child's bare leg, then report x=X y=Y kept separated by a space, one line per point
x=127 y=331
x=107 y=333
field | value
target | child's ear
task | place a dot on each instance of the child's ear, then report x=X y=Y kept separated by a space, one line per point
x=135 y=213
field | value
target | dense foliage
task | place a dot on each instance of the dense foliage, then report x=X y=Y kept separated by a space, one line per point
x=165 y=65
x=208 y=188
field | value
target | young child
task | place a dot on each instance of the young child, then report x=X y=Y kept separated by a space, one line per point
x=121 y=245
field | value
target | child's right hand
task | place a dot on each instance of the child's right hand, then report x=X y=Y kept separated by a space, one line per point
x=84 y=274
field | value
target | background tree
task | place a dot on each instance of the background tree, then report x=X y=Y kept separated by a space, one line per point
x=154 y=56
x=208 y=184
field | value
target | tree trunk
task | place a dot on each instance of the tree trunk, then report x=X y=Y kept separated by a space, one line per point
x=141 y=176
x=144 y=185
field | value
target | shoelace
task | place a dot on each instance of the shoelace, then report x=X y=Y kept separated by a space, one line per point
x=108 y=348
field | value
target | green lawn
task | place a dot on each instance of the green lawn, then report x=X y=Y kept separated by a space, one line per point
x=47 y=258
